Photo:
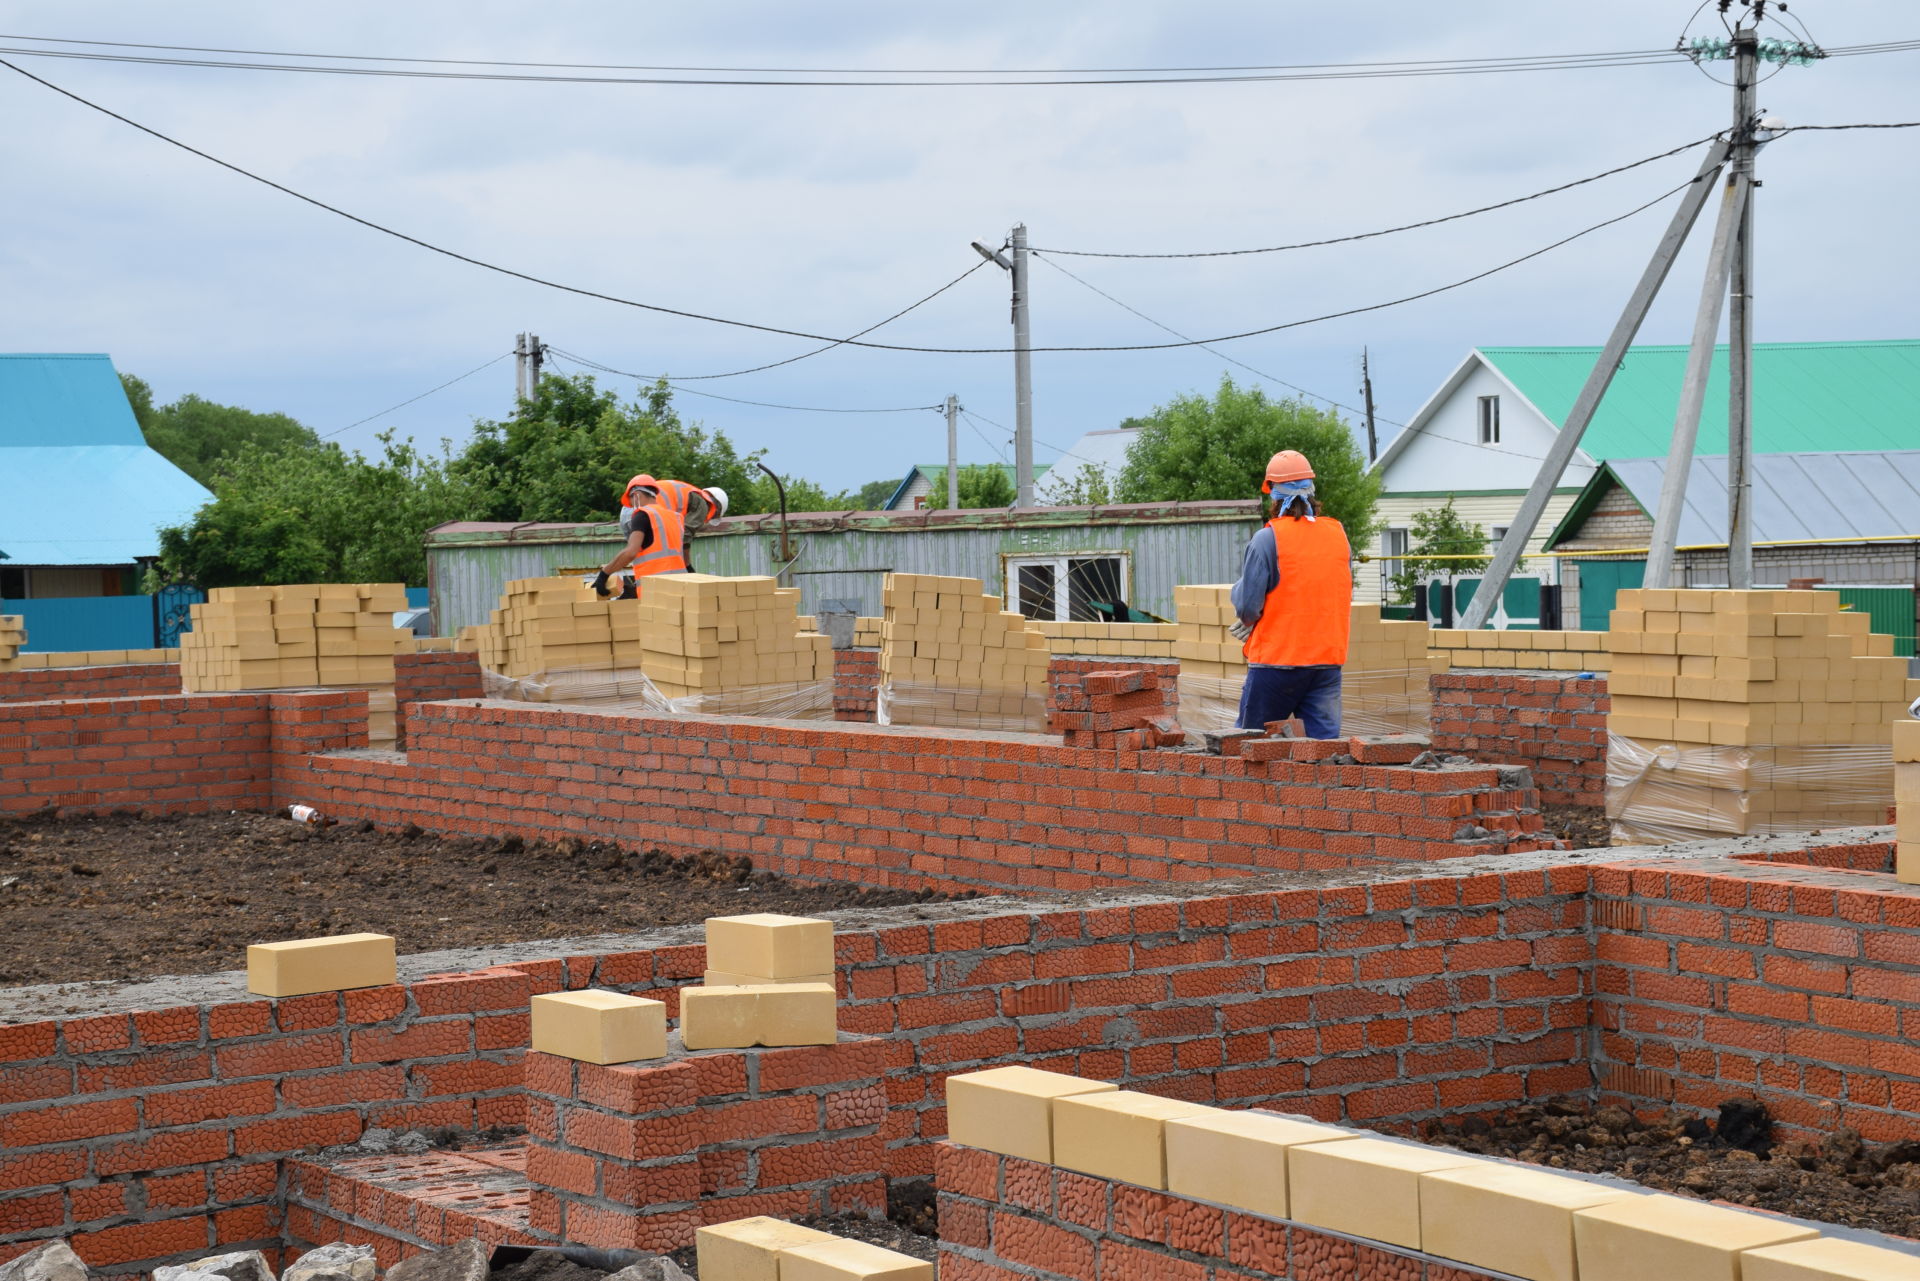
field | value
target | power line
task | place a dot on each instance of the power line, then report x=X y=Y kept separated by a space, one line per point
x=1578 y=62
x=422 y=396
x=585 y=363
x=1000 y=453
x=1389 y=231
x=800 y=333
x=1903 y=124
x=877 y=71
x=1229 y=359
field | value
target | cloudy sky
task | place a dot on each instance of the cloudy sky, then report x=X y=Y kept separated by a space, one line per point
x=826 y=209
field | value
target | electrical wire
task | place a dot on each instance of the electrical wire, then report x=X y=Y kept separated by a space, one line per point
x=1312 y=395
x=1577 y=62
x=800 y=333
x=878 y=71
x=1389 y=231
x=422 y=396
x=623 y=373
x=975 y=425
x=1903 y=124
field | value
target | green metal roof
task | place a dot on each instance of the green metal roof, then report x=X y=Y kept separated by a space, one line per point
x=936 y=474
x=1807 y=396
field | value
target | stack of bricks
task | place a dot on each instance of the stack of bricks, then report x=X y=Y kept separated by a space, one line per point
x=1117 y=710
x=762 y=1249
x=1384 y=685
x=1545 y=651
x=951 y=655
x=552 y=625
x=856 y=684
x=80 y=657
x=1906 y=800
x=13 y=634
x=334 y=635
x=1116 y=640
x=728 y=642
x=1746 y=713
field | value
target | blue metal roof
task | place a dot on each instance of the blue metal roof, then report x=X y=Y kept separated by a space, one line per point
x=64 y=400
x=78 y=483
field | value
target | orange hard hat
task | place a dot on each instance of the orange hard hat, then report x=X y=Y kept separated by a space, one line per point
x=626 y=495
x=1288 y=464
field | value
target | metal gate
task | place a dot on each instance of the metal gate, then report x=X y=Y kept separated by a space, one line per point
x=172 y=614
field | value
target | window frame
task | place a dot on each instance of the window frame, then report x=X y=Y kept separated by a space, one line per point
x=1011 y=563
x=1393 y=559
x=1487 y=419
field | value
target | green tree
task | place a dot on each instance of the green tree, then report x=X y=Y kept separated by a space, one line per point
x=1090 y=486
x=1197 y=447
x=568 y=452
x=316 y=516
x=873 y=495
x=195 y=434
x=1439 y=536
x=985 y=485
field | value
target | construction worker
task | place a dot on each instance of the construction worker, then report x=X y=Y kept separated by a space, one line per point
x=1293 y=598
x=657 y=527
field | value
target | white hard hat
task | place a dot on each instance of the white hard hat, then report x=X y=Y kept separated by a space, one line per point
x=719 y=497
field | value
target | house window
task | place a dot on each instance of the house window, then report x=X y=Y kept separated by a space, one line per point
x=1067 y=589
x=1489 y=420
x=13 y=584
x=1496 y=534
x=1393 y=546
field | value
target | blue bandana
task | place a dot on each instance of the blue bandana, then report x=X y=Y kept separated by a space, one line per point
x=1291 y=491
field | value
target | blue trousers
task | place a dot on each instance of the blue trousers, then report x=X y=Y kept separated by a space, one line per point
x=1281 y=693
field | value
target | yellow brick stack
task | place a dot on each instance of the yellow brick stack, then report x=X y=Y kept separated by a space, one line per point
x=730 y=643
x=13 y=634
x=1906 y=798
x=951 y=655
x=1547 y=651
x=1385 y=686
x=1746 y=712
x=548 y=625
x=1118 y=640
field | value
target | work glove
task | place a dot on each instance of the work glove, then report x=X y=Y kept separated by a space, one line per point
x=600 y=585
x=1241 y=629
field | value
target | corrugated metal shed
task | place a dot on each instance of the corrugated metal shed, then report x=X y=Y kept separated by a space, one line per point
x=845 y=555
x=1796 y=497
x=1837 y=395
x=81 y=485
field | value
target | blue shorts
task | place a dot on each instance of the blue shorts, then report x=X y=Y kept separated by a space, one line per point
x=1282 y=693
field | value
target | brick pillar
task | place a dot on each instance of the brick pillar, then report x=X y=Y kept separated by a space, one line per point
x=856 y=684
x=639 y=1155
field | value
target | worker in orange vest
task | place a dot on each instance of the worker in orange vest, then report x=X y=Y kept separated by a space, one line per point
x=657 y=526
x=1293 y=598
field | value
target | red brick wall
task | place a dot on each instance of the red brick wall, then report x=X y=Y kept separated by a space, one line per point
x=1555 y=725
x=1004 y=1219
x=429 y=676
x=120 y=680
x=912 y=809
x=1799 y=985
x=187 y=753
x=856 y=684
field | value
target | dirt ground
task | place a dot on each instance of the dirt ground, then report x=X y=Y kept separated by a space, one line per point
x=120 y=897
x=1840 y=1179
x=1584 y=827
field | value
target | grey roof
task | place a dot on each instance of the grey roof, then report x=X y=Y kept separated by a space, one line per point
x=1796 y=497
x=1105 y=449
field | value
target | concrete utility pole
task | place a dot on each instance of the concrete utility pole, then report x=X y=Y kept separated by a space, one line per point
x=1566 y=441
x=536 y=357
x=1746 y=62
x=1366 y=390
x=953 y=452
x=519 y=368
x=1014 y=262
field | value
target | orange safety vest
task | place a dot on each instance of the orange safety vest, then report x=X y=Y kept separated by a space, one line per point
x=677 y=495
x=1306 y=618
x=668 y=552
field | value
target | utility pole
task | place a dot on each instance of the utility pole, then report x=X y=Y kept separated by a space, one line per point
x=1014 y=262
x=536 y=357
x=1746 y=61
x=953 y=452
x=519 y=368
x=1366 y=390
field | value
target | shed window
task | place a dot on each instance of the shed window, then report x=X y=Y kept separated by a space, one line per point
x=1067 y=589
x=1489 y=420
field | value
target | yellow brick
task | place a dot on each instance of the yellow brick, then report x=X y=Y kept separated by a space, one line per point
x=749 y=1249
x=1009 y=1110
x=713 y=1018
x=1507 y=1218
x=594 y=1026
x=297 y=967
x=1117 y=1135
x=839 y=1259
x=1238 y=1158
x=1827 y=1259
x=1668 y=1236
x=1365 y=1187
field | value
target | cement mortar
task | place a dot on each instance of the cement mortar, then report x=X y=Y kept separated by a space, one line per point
x=65 y=1000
